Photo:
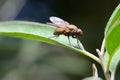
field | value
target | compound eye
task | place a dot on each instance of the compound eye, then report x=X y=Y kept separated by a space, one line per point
x=79 y=32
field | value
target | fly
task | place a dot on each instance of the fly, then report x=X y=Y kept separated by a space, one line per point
x=64 y=28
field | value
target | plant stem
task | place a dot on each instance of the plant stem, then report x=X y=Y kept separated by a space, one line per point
x=102 y=48
x=113 y=75
x=102 y=61
x=86 y=53
x=91 y=56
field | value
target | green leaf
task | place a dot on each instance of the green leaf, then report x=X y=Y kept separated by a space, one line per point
x=106 y=56
x=34 y=31
x=113 y=45
x=113 y=39
x=114 y=17
x=115 y=60
x=40 y=32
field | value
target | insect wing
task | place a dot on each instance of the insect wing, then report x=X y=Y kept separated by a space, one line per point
x=52 y=24
x=58 y=22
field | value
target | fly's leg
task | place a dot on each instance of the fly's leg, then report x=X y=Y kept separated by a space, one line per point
x=69 y=41
x=78 y=43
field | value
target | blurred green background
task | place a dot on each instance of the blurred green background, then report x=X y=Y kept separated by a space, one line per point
x=22 y=59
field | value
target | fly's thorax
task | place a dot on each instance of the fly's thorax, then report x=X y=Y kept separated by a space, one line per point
x=67 y=32
x=72 y=27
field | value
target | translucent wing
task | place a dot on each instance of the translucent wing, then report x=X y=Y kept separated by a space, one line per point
x=58 y=22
